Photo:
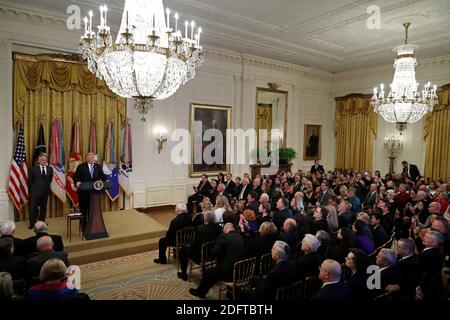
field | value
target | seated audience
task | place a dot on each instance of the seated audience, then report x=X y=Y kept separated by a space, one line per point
x=431 y=262
x=283 y=212
x=282 y=274
x=289 y=234
x=201 y=191
x=357 y=261
x=341 y=243
x=44 y=252
x=264 y=210
x=221 y=206
x=308 y=263
x=40 y=228
x=205 y=205
x=181 y=221
x=320 y=220
x=333 y=288
x=410 y=269
x=363 y=237
x=204 y=233
x=6 y=286
x=229 y=249
x=390 y=273
x=7 y=230
x=54 y=285
x=324 y=247
x=263 y=242
x=14 y=265
x=380 y=236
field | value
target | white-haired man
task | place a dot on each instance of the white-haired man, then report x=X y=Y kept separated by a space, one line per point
x=281 y=275
x=333 y=288
x=228 y=249
x=46 y=252
x=41 y=229
x=7 y=230
x=390 y=273
x=181 y=221
x=308 y=263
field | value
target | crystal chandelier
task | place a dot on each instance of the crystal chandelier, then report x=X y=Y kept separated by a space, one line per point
x=404 y=103
x=393 y=144
x=149 y=60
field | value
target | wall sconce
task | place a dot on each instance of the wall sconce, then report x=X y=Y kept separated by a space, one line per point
x=160 y=137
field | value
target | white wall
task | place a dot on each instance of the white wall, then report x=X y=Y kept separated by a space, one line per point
x=226 y=78
x=435 y=70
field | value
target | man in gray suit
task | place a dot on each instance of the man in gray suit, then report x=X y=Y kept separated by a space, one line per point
x=39 y=180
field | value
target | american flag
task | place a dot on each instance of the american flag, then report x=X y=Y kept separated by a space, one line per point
x=18 y=178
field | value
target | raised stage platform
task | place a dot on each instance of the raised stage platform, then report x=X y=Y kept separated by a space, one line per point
x=129 y=232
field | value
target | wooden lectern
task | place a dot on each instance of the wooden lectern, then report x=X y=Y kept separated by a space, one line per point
x=95 y=228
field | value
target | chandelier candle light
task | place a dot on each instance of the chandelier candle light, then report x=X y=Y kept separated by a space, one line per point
x=404 y=103
x=149 y=60
x=393 y=144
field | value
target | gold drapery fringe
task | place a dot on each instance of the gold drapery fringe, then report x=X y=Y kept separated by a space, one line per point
x=436 y=133
x=355 y=130
x=48 y=86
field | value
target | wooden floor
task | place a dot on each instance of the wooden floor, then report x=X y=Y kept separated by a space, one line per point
x=130 y=232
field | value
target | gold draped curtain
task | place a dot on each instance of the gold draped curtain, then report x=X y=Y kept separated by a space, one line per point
x=437 y=137
x=51 y=86
x=355 y=131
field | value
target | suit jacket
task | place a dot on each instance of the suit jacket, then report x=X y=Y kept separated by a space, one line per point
x=31 y=242
x=229 y=249
x=20 y=248
x=245 y=194
x=357 y=284
x=280 y=216
x=317 y=169
x=258 y=245
x=431 y=261
x=35 y=262
x=413 y=172
x=411 y=273
x=82 y=174
x=307 y=265
x=321 y=224
x=282 y=275
x=356 y=206
x=291 y=238
x=181 y=221
x=370 y=200
x=204 y=233
x=344 y=219
x=14 y=265
x=39 y=185
x=334 y=291
x=205 y=189
x=324 y=196
x=254 y=205
x=229 y=188
x=380 y=236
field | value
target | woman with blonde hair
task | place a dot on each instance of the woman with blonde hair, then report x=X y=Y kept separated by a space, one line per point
x=6 y=286
x=332 y=218
x=221 y=206
x=206 y=206
x=54 y=285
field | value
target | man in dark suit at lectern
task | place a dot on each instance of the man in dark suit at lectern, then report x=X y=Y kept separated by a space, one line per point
x=39 y=179
x=88 y=171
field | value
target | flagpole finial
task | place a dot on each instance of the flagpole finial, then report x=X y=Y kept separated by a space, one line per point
x=42 y=117
x=76 y=119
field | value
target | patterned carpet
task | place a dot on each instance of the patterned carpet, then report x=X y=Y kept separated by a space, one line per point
x=137 y=277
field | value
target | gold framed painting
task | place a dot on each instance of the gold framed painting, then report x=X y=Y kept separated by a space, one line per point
x=312 y=142
x=208 y=127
